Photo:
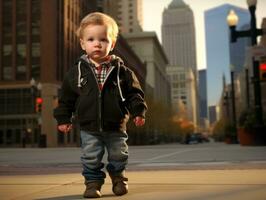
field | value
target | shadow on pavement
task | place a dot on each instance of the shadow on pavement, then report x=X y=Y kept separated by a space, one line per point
x=63 y=197
x=73 y=197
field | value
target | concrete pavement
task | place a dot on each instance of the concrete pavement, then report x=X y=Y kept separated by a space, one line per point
x=224 y=184
x=160 y=172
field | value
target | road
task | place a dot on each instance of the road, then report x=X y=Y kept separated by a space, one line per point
x=212 y=171
x=169 y=156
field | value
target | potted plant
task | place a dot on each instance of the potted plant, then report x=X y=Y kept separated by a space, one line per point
x=246 y=131
x=230 y=133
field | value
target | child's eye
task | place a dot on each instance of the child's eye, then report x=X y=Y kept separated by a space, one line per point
x=104 y=40
x=90 y=39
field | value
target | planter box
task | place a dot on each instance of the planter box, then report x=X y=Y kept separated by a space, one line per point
x=245 y=137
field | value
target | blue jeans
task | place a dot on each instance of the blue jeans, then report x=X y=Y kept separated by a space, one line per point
x=93 y=146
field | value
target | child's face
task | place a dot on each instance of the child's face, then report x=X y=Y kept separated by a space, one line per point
x=96 y=42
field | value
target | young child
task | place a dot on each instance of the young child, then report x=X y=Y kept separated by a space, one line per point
x=102 y=93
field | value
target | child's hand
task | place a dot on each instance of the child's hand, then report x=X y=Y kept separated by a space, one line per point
x=65 y=128
x=139 y=121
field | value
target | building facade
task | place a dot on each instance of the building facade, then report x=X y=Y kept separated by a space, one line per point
x=178 y=39
x=178 y=35
x=146 y=45
x=203 y=105
x=182 y=92
x=127 y=13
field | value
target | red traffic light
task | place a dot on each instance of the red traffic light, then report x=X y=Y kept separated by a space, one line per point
x=263 y=66
x=38 y=104
x=39 y=100
x=263 y=72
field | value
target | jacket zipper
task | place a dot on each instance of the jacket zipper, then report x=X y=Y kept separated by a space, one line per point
x=100 y=97
x=100 y=111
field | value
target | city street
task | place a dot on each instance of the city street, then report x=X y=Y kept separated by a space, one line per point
x=187 y=172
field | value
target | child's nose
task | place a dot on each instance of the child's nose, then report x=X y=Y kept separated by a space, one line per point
x=98 y=43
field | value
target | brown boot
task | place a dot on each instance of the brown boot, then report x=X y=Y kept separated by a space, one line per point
x=93 y=189
x=120 y=186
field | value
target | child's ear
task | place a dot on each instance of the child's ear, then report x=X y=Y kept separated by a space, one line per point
x=113 y=45
x=82 y=44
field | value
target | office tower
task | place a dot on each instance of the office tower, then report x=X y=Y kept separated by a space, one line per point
x=127 y=13
x=178 y=39
x=214 y=113
x=203 y=106
x=178 y=35
x=221 y=54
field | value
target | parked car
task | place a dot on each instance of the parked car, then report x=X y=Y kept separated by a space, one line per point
x=196 y=138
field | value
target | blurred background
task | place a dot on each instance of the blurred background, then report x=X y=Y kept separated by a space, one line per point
x=202 y=67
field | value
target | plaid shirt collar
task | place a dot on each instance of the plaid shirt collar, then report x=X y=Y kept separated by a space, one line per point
x=101 y=71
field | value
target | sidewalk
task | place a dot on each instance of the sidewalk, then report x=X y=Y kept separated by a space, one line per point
x=245 y=184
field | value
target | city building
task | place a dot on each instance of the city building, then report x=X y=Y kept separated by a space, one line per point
x=148 y=48
x=182 y=92
x=178 y=35
x=221 y=54
x=127 y=13
x=178 y=39
x=214 y=112
x=203 y=105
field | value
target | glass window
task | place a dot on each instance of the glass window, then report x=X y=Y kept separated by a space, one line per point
x=35 y=31
x=21 y=38
x=7 y=40
x=16 y=101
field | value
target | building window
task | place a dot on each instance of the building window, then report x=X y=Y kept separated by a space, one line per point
x=21 y=38
x=7 y=40
x=175 y=85
x=35 y=33
x=16 y=101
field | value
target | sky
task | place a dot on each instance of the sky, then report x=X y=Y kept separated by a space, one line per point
x=152 y=18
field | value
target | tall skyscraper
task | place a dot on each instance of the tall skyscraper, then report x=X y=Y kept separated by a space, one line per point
x=178 y=38
x=178 y=35
x=221 y=54
x=127 y=13
x=203 y=107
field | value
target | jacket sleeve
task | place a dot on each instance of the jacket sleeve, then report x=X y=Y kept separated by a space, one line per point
x=66 y=103
x=135 y=96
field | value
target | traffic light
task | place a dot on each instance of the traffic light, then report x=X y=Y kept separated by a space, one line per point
x=263 y=71
x=38 y=105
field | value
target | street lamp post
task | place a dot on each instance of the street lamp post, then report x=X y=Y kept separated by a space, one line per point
x=247 y=87
x=233 y=97
x=253 y=33
x=35 y=86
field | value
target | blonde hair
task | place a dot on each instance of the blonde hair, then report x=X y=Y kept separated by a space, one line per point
x=97 y=18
